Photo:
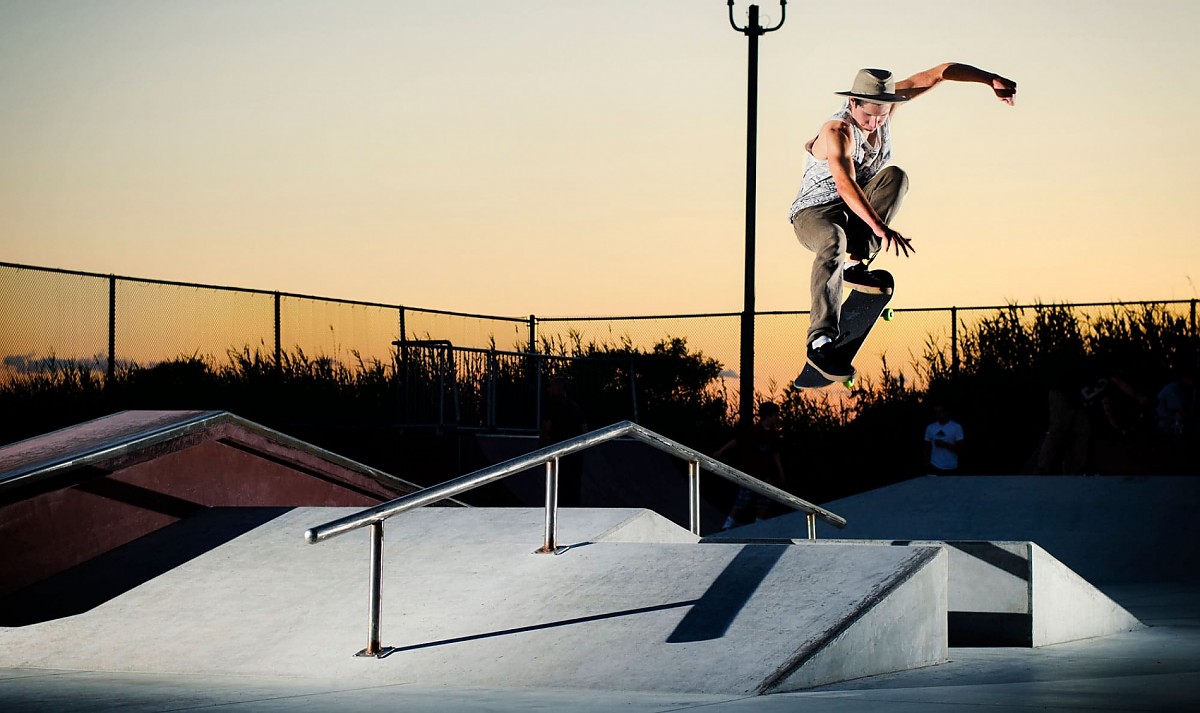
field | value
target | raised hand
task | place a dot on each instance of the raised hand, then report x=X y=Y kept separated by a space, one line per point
x=895 y=241
x=1005 y=89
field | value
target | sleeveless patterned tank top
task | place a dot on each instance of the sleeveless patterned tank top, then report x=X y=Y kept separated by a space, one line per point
x=817 y=186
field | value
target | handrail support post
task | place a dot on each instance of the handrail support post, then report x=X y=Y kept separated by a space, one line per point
x=811 y=519
x=375 y=601
x=694 y=496
x=550 y=544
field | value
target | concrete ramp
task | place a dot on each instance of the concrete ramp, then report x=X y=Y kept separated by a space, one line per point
x=1066 y=607
x=468 y=603
x=129 y=438
x=1005 y=588
x=73 y=495
x=1008 y=594
x=1109 y=529
x=1018 y=594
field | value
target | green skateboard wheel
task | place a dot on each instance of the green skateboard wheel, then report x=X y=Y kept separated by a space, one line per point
x=849 y=383
x=888 y=315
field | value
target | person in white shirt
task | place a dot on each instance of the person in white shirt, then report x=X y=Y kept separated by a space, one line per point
x=943 y=443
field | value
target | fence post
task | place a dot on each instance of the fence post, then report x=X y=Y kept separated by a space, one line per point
x=441 y=362
x=537 y=392
x=633 y=390
x=278 y=334
x=489 y=391
x=535 y=373
x=402 y=370
x=112 y=330
x=454 y=384
x=1192 y=319
x=954 y=341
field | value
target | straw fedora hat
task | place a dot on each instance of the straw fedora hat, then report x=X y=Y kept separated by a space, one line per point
x=874 y=85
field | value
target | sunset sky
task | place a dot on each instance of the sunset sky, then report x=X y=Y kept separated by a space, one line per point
x=586 y=157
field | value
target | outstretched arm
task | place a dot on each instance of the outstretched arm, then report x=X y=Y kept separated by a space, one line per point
x=921 y=82
x=839 y=148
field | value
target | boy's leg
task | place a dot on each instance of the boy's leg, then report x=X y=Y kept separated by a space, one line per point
x=821 y=230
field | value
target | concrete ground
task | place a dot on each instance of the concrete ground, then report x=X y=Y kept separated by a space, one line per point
x=1154 y=669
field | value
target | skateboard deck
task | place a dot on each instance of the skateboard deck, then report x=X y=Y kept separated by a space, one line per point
x=860 y=312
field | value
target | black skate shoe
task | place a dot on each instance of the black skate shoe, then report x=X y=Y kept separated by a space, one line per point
x=831 y=365
x=858 y=277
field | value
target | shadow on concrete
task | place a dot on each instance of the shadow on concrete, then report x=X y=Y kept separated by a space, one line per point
x=110 y=575
x=539 y=627
x=996 y=556
x=727 y=595
x=989 y=553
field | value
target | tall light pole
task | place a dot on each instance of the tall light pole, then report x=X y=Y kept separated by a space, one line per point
x=752 y=30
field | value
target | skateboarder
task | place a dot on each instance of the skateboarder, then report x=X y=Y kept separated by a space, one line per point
x=849 y=195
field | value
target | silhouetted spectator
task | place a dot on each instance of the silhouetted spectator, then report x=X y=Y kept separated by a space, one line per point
x=1080 y=391
x=1176 y=413
x=1122 y=406
x=1067 y=442
x=563 y=419
x=757 y=450
x=943 y=443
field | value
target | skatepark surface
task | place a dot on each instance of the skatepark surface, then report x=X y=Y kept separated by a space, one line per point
x=631 y=641
x=1155 y=669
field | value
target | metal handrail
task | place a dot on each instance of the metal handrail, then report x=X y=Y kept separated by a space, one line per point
x=491 y=474
x=549 y=455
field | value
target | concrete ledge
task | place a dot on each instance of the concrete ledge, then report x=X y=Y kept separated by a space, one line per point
x=901 y=625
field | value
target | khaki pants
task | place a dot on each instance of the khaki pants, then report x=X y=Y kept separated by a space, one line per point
x=831 y=231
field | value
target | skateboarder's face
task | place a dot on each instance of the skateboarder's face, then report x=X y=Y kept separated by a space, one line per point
x=868 y=116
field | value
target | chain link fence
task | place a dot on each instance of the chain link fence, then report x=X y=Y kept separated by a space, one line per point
x=450 y=368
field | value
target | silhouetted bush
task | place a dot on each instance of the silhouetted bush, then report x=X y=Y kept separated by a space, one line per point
x=836 y=442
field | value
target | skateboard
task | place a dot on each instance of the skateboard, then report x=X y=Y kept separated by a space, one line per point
x=860 y=312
